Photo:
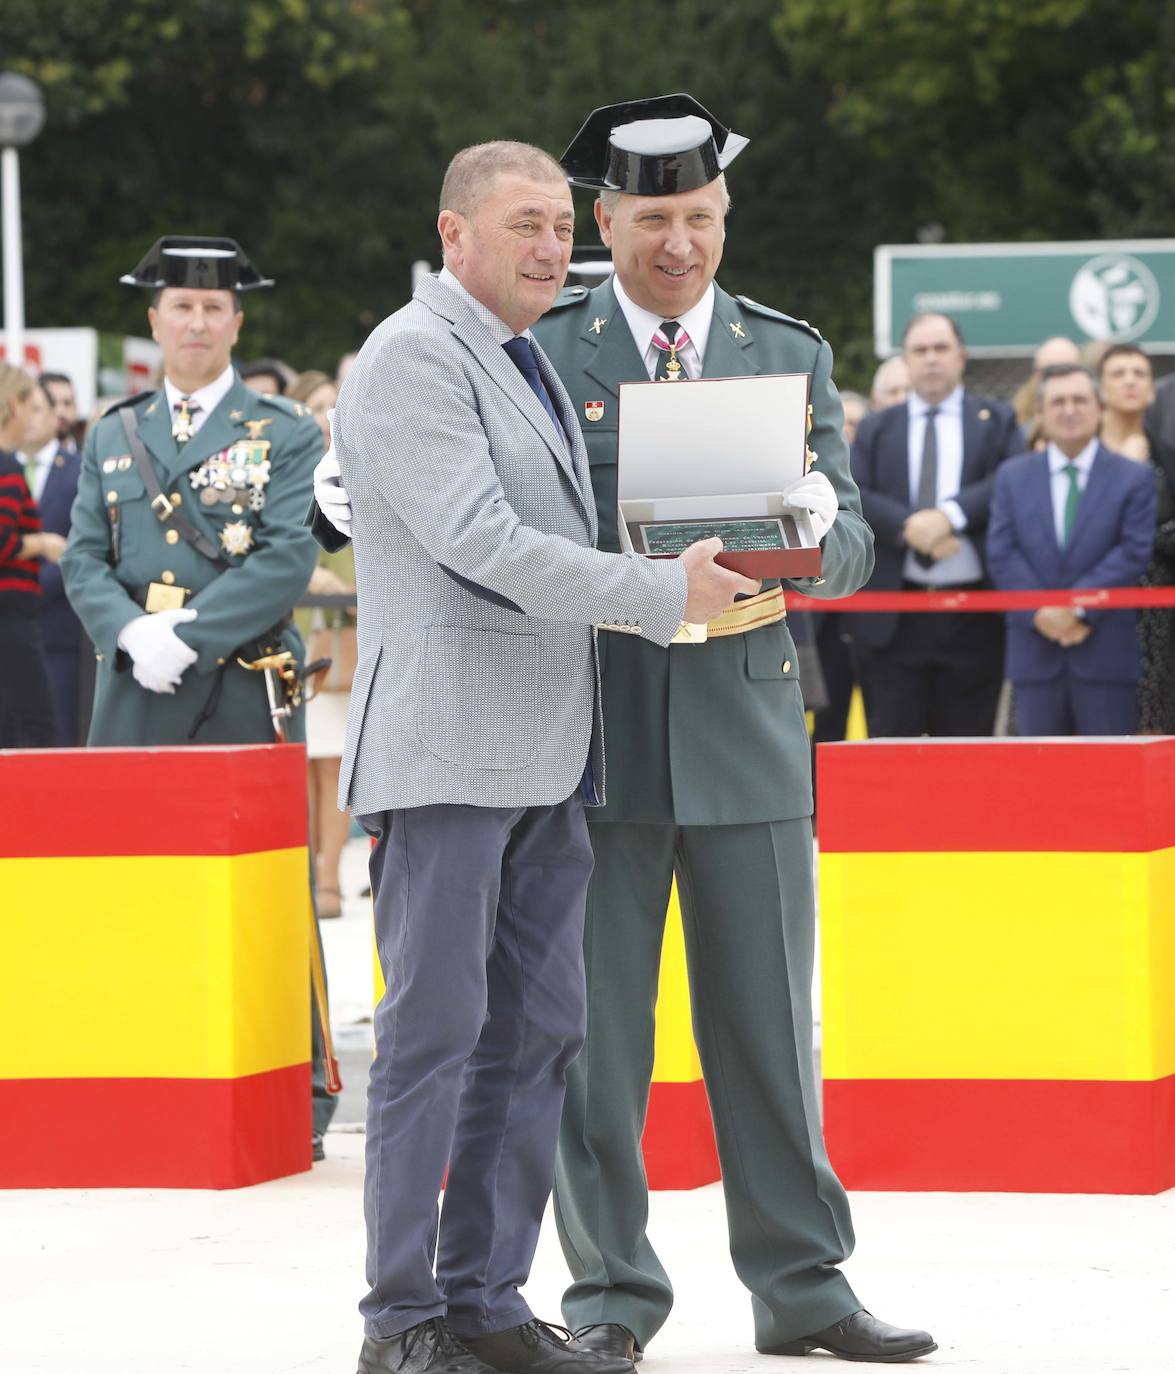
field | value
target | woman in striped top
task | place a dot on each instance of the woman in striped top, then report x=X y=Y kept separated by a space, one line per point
x=26 y=714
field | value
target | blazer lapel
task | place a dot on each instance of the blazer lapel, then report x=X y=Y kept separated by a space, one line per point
x=612 y=356
x=468 y=330
x=974 y=437
x=894 y=443
x=155 y=430
x=1040 y=493
x=730 y=346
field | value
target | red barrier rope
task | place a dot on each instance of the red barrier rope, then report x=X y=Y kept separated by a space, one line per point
x=1093 y=598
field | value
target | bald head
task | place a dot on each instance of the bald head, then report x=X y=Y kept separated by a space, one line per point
x=473 y=172
x=891 y=384
x=1054 y=352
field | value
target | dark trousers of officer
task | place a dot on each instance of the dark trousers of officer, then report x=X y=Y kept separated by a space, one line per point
x=940 y=675
x=746 y=894
x=479 y=931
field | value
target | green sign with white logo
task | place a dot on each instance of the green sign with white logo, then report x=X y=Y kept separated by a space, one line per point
x=1008 y=297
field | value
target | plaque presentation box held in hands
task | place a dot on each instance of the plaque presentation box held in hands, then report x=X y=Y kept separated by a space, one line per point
x=717 y=452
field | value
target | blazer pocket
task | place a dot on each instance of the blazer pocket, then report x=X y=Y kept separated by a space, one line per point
x=479 y=696
x=771 y=654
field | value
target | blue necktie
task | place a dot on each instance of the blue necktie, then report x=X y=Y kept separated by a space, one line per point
x=522 y=356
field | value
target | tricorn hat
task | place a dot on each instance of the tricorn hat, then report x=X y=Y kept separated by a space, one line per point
x=202 y=263
x=653 y=147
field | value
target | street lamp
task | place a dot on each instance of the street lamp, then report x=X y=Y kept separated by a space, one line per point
x=22 y=116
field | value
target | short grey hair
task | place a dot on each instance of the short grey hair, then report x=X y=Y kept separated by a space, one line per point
x=609 y=199
x=473 y=171
x=1050 y=374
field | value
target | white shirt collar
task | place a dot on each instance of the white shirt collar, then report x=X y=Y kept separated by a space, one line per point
x=1084 y=460
x=46 y=453
x=644 y=324
x=950 y=405
x=206 y=397
x=498 y=328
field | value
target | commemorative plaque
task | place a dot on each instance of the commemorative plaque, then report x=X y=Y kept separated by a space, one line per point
x=712 y=458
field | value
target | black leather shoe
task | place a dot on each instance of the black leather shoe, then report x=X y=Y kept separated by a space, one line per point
x=536 y=1348
x=607 y=1338
x=860 y=1337
x=317 y=1148
x=428 y=1346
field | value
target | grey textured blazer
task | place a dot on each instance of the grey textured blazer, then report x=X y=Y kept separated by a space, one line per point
x=478 y=585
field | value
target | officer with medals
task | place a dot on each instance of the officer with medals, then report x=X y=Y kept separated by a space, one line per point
x=708 y=777
x=187 y=552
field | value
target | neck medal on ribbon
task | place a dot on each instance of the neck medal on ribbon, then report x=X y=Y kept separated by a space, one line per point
x=238 y=474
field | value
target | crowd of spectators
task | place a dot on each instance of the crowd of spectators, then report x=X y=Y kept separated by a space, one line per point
x=929 y=458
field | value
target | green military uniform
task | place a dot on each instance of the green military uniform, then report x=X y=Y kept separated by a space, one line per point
x=708 y=775
x=118 y=546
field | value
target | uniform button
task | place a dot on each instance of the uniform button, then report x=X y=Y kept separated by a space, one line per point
x=786 y=666
x=172 y=536
x=100 y=657
x=167 y=576
x=112 y=497
x=176 y=499
x=220 y=662
x=238 y=510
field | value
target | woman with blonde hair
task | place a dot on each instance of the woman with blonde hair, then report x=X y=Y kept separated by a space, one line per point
x=329 y=633
x=26 y=713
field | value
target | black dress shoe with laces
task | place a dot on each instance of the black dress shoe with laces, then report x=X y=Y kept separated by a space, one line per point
x=860 y=1336
x=607 y=1338
x=427 y=1346
x=538 y=1348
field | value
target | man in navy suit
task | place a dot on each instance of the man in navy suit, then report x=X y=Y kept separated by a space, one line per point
x=52 y=469
x=1075 y=515
x=925 y=469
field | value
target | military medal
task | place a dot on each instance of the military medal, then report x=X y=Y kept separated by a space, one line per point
x=236 y=538
x=182 y=427
x=672 y=367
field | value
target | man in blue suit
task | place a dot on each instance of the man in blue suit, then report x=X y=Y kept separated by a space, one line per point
x=52 y=472
x=925 y=470
x=1076 y=515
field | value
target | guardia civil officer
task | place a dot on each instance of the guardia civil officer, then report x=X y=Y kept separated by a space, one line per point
x=187 y=550
x=709 y=778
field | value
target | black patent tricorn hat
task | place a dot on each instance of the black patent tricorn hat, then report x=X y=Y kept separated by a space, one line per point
x=203 y=264
x=653 y=147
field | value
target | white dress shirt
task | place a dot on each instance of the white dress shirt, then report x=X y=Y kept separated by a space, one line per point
x=643 y=324
x=44 y=460
x=966 y=565
x=1059 y=481
x=207 y=397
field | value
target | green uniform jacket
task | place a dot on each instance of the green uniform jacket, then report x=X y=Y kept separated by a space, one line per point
x=235 y=605
x=714 y=733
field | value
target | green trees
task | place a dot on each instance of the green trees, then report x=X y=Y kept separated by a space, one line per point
x=316 y=132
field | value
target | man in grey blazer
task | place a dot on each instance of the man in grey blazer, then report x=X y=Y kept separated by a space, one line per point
x=473 y=743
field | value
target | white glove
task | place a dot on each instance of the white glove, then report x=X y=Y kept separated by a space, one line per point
x=814 y=493
x=159 y=655
x=332 y=499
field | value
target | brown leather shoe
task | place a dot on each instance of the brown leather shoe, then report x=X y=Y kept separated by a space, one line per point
x=860 y=1336
x=607 y=1338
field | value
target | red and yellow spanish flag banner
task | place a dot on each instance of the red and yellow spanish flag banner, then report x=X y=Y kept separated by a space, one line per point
x=678 y=1140
x=998 y=951
x=154 y=980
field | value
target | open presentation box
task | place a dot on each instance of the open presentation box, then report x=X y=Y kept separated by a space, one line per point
x=714 y=457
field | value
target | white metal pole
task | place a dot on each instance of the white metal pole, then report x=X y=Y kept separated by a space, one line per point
x=13 y=260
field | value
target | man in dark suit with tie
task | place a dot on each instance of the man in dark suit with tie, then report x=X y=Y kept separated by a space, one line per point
x=925 y=470
x=52 y=472
x=1075 y=515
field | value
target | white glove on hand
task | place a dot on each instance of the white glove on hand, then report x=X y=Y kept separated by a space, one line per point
x=159 y=655
x=815 y=494
x=332 y=499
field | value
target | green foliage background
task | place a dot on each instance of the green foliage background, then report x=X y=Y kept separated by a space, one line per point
x=316 y=132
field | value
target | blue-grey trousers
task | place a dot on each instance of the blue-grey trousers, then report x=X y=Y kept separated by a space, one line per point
x=479 y=929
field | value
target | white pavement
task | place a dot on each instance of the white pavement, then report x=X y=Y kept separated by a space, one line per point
x=265 y=1280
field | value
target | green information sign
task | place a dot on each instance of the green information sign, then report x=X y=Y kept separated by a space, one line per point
x=1007 y=297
